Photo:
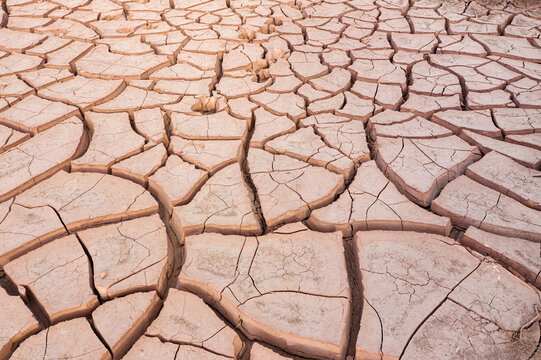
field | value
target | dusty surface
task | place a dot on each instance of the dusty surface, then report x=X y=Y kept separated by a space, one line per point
x=272 y=179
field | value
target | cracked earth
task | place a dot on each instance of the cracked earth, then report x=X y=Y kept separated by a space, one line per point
x=270 y=179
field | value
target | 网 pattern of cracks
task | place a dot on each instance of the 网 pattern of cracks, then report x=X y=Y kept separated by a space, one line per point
x=177 y=100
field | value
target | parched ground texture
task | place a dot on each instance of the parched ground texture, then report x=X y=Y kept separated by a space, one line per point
x=270 y=179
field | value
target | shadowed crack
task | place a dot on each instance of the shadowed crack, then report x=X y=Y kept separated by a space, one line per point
x=245 y=169
x=356 y=300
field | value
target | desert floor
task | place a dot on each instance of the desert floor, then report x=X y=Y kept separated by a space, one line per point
x=270 y=179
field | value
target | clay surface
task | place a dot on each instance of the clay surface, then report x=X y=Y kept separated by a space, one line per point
x=242 y=179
